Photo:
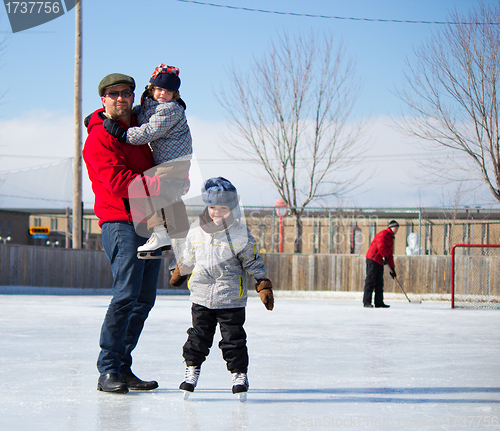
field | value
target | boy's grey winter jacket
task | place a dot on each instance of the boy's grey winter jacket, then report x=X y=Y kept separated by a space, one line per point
x=218 y=277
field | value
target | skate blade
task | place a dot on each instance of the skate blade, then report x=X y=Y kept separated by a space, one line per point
x=186 y=395
x=242 y=396
x=148 y=255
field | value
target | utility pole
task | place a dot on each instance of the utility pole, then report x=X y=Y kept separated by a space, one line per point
x=77 y=161
x=67 y=236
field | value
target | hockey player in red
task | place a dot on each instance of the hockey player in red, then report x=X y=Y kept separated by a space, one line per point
x=379 y=254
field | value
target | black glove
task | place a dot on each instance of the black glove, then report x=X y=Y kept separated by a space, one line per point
x=114 y=129
x=393 y=273
x=171 y=189
x=385 y=260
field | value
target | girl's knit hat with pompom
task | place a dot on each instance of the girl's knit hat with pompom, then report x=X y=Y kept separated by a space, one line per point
x=166 y=77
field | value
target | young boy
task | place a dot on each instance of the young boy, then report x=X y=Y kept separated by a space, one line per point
x=164 y=127
x=219 y=251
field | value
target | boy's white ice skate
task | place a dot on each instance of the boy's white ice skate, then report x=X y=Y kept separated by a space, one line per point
x=159 y=239
x=190 y=380
x=240 y=385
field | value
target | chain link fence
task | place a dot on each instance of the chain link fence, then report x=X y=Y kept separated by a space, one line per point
x=421 y=232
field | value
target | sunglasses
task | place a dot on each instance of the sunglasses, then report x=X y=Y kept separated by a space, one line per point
x=125 y=94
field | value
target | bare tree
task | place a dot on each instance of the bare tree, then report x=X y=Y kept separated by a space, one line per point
x=290 y=113
x=451 y=91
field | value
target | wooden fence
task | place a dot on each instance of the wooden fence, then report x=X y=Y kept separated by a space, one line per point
x=58 y=267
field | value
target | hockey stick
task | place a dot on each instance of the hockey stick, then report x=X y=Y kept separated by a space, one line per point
x=396 y=278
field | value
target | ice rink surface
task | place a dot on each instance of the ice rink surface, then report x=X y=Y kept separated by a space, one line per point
x=315 y=364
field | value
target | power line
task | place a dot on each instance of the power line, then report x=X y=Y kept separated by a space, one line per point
x=36 y=198
x=37 y=167
x=403 y=21
x=24 y=156
x=375 y=157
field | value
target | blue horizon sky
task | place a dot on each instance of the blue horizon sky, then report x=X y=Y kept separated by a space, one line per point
x=205 y=42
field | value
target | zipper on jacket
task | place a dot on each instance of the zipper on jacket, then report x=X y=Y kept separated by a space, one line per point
x=242 y=286
x=127 y=209
x=211 y=266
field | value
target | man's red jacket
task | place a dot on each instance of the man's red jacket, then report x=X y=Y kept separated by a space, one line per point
x=112 y=165
x=382 y=246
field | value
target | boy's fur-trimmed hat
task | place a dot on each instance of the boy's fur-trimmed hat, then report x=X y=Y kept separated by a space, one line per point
x=166 y=77
x=219 y=191
x=114 y=79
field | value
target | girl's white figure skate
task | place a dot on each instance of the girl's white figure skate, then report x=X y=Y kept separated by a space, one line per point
x=240 y=385
x=159 y=239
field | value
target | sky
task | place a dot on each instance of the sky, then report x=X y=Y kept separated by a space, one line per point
x=206 y=42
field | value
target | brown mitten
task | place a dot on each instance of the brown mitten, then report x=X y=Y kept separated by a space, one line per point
x=264 y=287
x=180 y=274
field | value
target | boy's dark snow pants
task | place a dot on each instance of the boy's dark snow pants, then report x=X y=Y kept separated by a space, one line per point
x=201 y=336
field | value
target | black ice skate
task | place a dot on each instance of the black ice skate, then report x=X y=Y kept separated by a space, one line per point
x=240 y=385
x=159 y=239
x=190 y=380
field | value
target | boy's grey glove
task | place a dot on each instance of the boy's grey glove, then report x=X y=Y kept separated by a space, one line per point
x=265 y=289
x=114 y=129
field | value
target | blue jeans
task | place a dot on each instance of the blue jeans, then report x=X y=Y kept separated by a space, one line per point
x=134 y=293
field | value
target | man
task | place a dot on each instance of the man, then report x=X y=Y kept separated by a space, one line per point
x=379 y=253
x=112 y=166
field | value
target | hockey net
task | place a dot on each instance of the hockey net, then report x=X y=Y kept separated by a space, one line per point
x=475 y=276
